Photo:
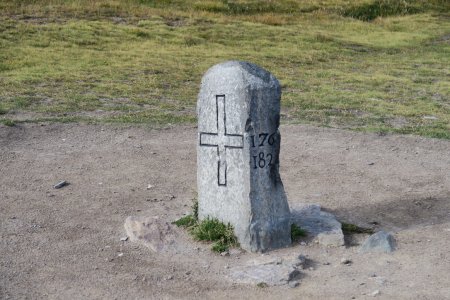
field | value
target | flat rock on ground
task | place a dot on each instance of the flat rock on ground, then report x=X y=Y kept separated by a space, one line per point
x=319 y=225
x=268 y=269
x=68 y=243
x=157 y=234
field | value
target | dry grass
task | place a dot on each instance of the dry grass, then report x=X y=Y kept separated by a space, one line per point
x=142 y=61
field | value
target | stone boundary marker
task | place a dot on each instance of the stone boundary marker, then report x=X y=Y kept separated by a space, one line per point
x=238 y=150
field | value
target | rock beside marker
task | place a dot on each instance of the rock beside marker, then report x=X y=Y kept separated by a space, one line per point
x=268 y=271
x=378 y=242
x=319 y=224
x=153 y=232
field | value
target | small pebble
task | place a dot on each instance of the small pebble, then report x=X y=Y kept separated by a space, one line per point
x=124 y=239
x=375 y=293
x=120 y=254
x=60 y=184
x=346 y=261
x=294 y=284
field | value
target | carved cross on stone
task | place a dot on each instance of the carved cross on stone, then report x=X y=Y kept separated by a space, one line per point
x=221 y=140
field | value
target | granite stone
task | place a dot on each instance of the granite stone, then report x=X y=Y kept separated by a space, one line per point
x=271 y=271
x=322 y=226
x=238 y=155
x=154 y=232
x=378 y=242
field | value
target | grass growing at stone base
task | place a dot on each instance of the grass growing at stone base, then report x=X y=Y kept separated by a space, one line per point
x=209 y=230
x=348 y=228
x=186 y=221
x=370 y=65
x=212 y=230
x=297 y=232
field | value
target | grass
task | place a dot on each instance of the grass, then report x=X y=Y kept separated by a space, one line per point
x=212 y=230
x=297 y=233
x=209 y=230
x=7 y=122
x=186 y=221
x=368 y=65
x=348 y=228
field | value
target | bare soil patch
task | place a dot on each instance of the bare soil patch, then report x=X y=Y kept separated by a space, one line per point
x=65 y=243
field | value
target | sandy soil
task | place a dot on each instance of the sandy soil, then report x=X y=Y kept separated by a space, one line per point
x=65 y=244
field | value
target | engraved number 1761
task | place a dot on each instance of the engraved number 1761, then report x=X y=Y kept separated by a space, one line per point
x=262 y=160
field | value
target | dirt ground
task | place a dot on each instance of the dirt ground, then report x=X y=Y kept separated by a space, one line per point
x=65 y=243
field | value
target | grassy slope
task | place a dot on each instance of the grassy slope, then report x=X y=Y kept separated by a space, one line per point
x=130 y=61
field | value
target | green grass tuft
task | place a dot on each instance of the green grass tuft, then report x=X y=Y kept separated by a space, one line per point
x=8 y=122
x=195 y=208
x=297 y=232
x=209 y=230
x=348 y=228
x=220 y=247
x=186 y=222
x=262 y=285
x=212 y=230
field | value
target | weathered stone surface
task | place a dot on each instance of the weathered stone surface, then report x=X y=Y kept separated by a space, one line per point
x=378 y=242
x=271 y=271
x=153 y=232
x=238 y=154
x=319 y=224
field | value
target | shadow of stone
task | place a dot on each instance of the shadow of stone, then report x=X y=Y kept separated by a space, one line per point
x=398 y=214
x=310 y=263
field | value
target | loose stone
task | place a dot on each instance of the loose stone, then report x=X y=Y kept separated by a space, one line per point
x=60 y=184
x=378 y=242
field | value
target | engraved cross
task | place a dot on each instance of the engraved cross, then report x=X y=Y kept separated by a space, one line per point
x=221 y=140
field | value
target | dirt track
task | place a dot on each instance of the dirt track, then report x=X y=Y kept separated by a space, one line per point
x=64 y=244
